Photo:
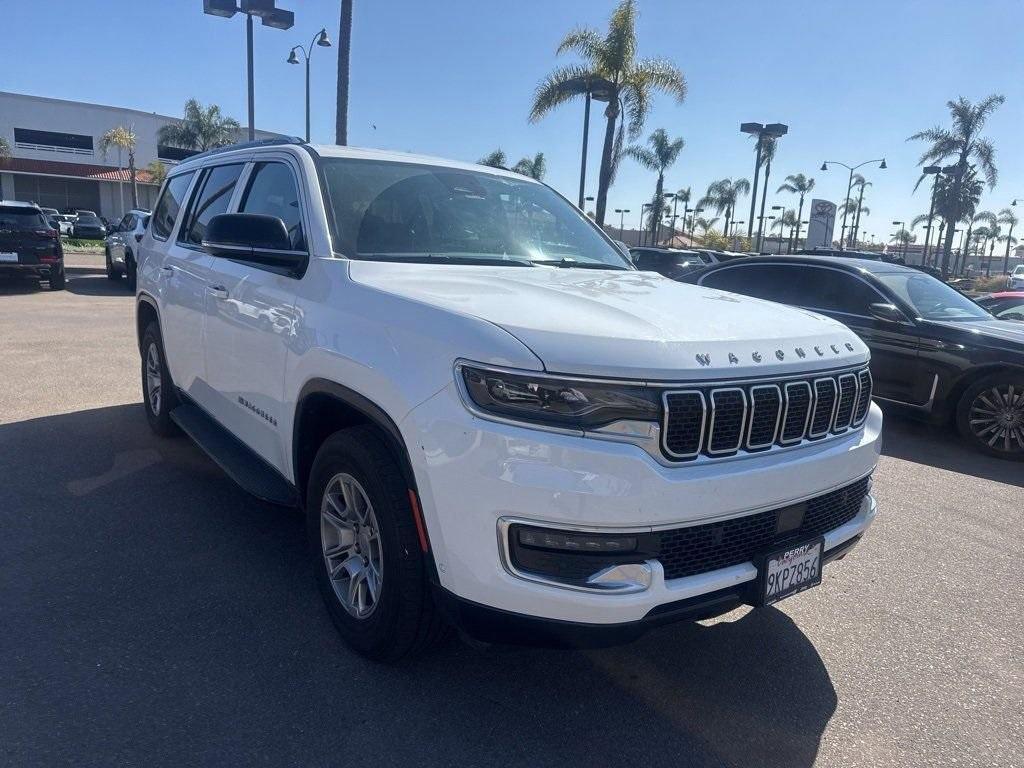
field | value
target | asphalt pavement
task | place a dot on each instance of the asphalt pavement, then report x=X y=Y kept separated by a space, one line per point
x=153 y=614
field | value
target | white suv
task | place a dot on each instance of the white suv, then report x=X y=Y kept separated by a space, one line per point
x=490 y=417
x=1015 y=280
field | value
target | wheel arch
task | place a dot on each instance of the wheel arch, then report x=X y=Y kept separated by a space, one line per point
x=957 y=389
x=146 y=312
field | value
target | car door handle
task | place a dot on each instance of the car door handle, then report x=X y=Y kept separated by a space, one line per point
x=217 y=291
x=167 y=271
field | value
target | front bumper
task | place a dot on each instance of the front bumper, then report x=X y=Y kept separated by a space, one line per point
x=473 y=473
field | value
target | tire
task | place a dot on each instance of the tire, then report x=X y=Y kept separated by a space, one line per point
x=990 y=415
x=112 y=274
x=158 y=404
x=399 y=619
x=129 y=270
x=57 y=280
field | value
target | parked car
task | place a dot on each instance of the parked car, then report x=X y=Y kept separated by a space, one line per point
x=66 y=224
x=122 y=243
x=1006 y=305
x=88 y=228
x=670 y=262
x=888 y=258
x=1015 y=280
x=29 y=246
x=84 y=212
x=933 y=351
x=490 y=417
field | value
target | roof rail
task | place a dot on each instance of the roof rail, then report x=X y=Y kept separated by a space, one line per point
x=275 y=142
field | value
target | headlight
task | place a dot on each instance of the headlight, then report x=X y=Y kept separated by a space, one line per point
x=559 y=402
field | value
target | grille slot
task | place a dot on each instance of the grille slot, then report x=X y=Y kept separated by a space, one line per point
x=703 y=548
x=864 y=398
x=824 y=407
x=765 y=411
x=709 y=421
x=847 y=402
x=728 y=414
x=684 y=423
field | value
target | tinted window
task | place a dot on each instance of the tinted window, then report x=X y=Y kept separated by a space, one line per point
x=812 y=287
x=932 y=299
x=212 y=199
x=18 y=218
x=272 y=192
x=171 y=200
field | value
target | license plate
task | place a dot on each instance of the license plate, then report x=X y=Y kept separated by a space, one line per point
x=8 y=256
x=791 y=570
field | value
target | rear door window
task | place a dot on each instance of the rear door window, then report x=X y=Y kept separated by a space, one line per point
x=168 y=208
x=211 y=199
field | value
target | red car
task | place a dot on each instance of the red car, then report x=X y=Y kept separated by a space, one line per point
x=1006 y=305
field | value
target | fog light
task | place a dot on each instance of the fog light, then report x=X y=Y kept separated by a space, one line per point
x=545 y=538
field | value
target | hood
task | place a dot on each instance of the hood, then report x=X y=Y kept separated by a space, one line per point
x=1005 y=333
x=625 y=324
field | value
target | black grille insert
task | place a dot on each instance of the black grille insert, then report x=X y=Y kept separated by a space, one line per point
x=847 y=401
x=865 y=396
x=685 y=423
x=728 y=414
x=766 y=408
x=703 y=548
x=798 y=408
x=824 y=405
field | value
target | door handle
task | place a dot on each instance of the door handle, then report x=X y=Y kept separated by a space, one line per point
x=167 y=271
x=217 y=291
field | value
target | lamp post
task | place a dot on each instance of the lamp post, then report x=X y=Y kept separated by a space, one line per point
x=269 y=16
x=901 y=244
x=321 y=40
x=622 y=218
x=930 y=170
x=596 y=89
x=849 y=186
x=772 y=130
x=643 y=229
x=731 y=234
x=693 y=221
x=782 y=217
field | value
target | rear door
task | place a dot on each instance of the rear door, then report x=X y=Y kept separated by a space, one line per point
x=250 y=317
x=25 y=236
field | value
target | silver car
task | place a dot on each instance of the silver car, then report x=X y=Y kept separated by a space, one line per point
x=122 y=241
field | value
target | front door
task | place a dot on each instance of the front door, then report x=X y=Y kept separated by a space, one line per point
x=250 y=321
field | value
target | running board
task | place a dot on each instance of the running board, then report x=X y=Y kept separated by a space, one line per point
x=240 y=463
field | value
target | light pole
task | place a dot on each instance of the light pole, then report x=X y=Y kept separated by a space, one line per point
x=643 y=229
x=930 y=170
x=269 y=17
x=901 y=243
x=731 y=235
x=782 y=217
x=321 y=40
x=622 y=218
x=693 y=221
x=772 y=130
x=597 y=89
x=849 y=186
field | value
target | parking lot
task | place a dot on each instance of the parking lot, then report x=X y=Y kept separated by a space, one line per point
x=152 y=613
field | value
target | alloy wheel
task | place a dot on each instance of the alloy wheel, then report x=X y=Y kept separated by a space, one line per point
x=153 y=379
x=997 y=418
x=350 y=541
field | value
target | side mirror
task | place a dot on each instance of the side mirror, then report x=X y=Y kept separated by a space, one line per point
x=888 y=312
x=252 y=237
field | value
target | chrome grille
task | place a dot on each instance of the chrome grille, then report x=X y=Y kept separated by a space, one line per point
x=722 y=421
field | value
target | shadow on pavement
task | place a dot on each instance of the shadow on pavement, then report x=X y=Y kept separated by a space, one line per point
x=154 y=613
x=92 y=281
x=940 y=446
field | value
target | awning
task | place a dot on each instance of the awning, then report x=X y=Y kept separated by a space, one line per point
x=73 y=170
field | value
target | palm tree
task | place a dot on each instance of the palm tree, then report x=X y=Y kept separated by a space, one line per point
x=722 y=195
x=788 y=219
x=123 y=138
x=535 y=168
x=630 y=85
x=1007 y=216
x=797 y=184
x=962 y=143
x=201 y=128
x=662 y=154
x=859 y=181
x=344 y=51
x=495 y=159
x=982 y=217
x=851 y=207
x=705 y=224
x=768 y=145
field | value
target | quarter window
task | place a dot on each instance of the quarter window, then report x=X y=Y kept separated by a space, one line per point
x=272 y=192
x=212 y=199
x=171 y=200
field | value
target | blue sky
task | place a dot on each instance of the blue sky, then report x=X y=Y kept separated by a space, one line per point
x=455 y=78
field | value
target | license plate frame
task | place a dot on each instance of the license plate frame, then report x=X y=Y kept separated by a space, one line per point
x=8 y=257
x=773 y=567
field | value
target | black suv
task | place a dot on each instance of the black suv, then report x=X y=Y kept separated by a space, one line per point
x=29 y=245
x=933 y=351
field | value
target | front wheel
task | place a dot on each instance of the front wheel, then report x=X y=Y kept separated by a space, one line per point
x=990 y=415
x=57 y=280
x=158 y=395
x=369 y=564
x=129 y=271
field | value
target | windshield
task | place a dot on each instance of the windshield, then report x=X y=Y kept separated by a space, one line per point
x=387 y=211
x=1019 y=269
x=932 y=299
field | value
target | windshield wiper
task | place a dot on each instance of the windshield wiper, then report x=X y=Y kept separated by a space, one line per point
x=565 y=263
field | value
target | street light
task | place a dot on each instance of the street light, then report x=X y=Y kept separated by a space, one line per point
x=598 y=89
x=321 y=40
x=782 y=217
x=902 y=244
x=269 y=16
x=643 y=229
x=772 y=130
x=849 y=186
x=622 y=217
x=693 y=221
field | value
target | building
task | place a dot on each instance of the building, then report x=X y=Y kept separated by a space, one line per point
x=56 y=160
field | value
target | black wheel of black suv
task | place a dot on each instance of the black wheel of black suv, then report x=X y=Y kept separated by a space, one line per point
x=112 y=274
x=369 y=564
x=990 y=415
x=158 y=394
